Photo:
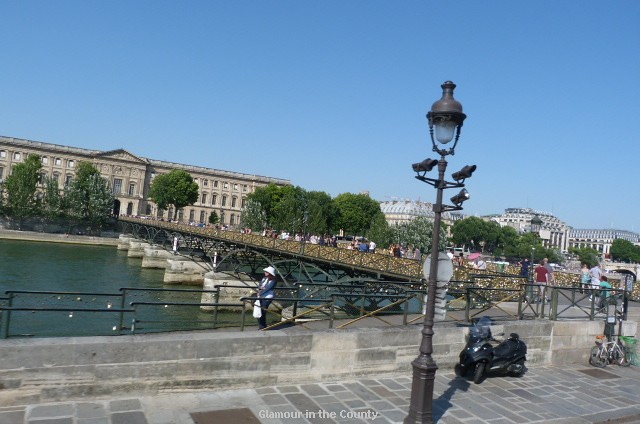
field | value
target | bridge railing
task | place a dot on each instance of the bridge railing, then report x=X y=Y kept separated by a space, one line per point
x=376 y=262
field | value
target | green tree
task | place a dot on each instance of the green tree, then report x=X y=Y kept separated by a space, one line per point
x=176 y=188
x=260 y=206
x=471 y=232
x=586 y=255
x=53 y=205
x=381 y=232
x=624 y=251
x=88 y=198
x=253 y=216
x=419 y=233
x=321 y=213
x=20 y=189
x=356 y=213
x=288 y=209
x=508 y=242
x=213 y=218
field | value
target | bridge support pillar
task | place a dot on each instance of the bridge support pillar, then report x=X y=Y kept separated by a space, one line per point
x=124 y=240
x=227 y=294
x=185 y=270
x=136 y=248
x=156 y=257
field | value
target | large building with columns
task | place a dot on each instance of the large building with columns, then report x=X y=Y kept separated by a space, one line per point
x=130 y=177
x=600 y=240
x=553 y=232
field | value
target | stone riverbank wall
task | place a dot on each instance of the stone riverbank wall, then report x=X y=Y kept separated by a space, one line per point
x=39 y=370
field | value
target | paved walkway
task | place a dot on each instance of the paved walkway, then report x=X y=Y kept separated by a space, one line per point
x=569 y=394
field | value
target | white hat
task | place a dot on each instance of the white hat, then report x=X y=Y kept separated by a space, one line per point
x=271 y=270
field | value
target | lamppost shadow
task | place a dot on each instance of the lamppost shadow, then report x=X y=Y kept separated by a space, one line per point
x=443 y=403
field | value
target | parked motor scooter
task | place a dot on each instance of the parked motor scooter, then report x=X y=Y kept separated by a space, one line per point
x=479 y=356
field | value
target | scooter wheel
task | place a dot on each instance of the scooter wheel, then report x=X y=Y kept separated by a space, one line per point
x=479 y=373
x=458 y=370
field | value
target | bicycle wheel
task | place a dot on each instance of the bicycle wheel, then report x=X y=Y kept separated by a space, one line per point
x=621 y=357
x=598 y=356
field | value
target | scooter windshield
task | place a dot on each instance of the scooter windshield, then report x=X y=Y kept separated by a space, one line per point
x=481 y=329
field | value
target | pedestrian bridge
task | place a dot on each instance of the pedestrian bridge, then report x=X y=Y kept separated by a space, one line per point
x=231 y=250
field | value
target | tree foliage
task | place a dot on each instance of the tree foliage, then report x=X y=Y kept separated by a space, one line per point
x=288 y=208
x=419 y=233
x=624 y=251
x=477 y=234
x=20 y=188
x=586 y=255
x=176 y=188
x=356 y=213
x=53 y=202
x=88 y=197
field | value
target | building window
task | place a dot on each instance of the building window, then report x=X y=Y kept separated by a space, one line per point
x=160 y=213
x=204 y=198
x=17 y=156
x=132 y=190
x=148 y=209
x=235 y=187
x=192 y=215
x=1 y=173
x=226 y=186
x=58 y=162
x=234 y=201
x=214 y=199
x=224 y=201
x=3 y=153
x=202 y=217
x=117 y=186
x=45 y=160
x=243 y=202
x=180 y=215
x=215 y=184
x=232 y=220
x=170 y=214
x=245 y=188
x=56 y=177
x=41 y=177
x=205 y=183
x=71 y=163
x=68 y=179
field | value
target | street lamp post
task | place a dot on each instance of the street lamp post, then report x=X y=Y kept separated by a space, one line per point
x=446 y=119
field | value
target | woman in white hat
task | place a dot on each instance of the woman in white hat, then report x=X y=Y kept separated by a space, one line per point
x=266 y=291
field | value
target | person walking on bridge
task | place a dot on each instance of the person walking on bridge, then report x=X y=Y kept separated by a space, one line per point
x=266 y=291
x=542 y=278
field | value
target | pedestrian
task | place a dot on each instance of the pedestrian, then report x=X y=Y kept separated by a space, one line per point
x=542 y=279
x=605 y=292
x=266 y=291
x=585 y=278
x=460 y=259
x=364 y=246
x=450 y=254
x=524 y=268
x=479 y=263
x=176 y=245
x=550 y=269
x=372 y=246
x=595 y=274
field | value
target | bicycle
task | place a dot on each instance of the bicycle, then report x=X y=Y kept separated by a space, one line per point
x=610 y=352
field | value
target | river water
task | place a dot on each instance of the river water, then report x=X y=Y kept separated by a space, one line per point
x=98 y=270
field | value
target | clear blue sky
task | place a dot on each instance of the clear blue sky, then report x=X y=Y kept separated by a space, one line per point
x=332 y=95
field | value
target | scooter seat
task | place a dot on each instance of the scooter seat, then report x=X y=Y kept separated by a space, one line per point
x=506 y=349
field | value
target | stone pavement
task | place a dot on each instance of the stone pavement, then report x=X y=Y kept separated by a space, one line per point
x=568 y=394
